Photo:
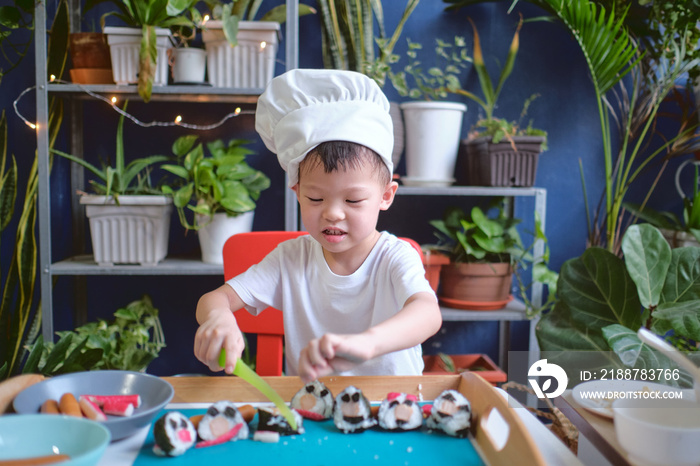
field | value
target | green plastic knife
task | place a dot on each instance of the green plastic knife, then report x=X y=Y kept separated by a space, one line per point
x=246 y=373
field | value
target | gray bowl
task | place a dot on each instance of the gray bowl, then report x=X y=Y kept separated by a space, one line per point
x=155 y=394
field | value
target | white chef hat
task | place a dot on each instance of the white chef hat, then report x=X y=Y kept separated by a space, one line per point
x=303 y=108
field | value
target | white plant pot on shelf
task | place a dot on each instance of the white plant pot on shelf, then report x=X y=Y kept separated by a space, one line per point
x=250 y=64
x=124 y=45
x=133 y=232
x=432 y=141
x=214 y=234
x=188 y=65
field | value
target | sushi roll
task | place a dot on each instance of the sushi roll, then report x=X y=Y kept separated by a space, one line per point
x=221 y=417
x=174 y=434
x=400 y=411
x=314 y=401
x=451 y=414
x=352 y=413
x=270 y=419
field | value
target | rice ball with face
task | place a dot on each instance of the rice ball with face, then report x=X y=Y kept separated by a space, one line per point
x=352 y=412
x=314 y=398
x=221 y=417
x=451 y=413
x=174 y=434
x=400 y=411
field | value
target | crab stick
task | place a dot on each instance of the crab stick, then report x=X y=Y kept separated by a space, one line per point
x=91 y=410
x=118 y=408
x=100 y=400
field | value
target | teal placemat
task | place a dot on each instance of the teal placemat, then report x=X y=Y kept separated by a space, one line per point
x=323 y=444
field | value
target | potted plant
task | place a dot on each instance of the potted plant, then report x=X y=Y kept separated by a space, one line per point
x=241 y=51
x=500 y=152
x=482 y=251
x=187 y=63
x=604 y=299
x=220 y=190
x=432 y=126
x=139 y=51
x=129 y=342
x=129 y=217
x=91 y=63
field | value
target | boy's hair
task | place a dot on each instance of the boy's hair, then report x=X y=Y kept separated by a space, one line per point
x=336 y=155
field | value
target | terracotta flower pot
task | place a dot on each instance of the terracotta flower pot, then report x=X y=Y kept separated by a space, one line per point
x=89 y=50
x=476 y=282
x=91 y=60
x=433 y=262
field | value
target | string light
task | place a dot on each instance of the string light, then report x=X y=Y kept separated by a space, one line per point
x=263 y=44
x=112 y=101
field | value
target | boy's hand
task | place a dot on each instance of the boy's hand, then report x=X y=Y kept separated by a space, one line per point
x=333 y=353
x=219 y=331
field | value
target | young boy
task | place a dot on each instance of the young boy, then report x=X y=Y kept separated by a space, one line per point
x=355 y=301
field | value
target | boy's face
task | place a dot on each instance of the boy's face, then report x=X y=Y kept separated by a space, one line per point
x=340 y=208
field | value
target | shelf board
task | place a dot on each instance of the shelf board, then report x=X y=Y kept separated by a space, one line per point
x=467 y=191
x=514 y=310
x=162 y=93
x=86 y=265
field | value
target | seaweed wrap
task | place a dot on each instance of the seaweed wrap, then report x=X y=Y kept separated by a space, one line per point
x=400 y=411
x=220 y=418
x=174 y=434
x=451 y=413
x=313 y=401
x=352 y=413
x=271 y=420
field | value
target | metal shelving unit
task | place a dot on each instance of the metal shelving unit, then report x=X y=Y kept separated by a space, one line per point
x=82 y=265
x=515 y=310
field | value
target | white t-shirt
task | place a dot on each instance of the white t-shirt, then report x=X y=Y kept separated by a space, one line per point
x=296 y=279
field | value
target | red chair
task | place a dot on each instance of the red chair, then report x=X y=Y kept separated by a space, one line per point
x=240 y=252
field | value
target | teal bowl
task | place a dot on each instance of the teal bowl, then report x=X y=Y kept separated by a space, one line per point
x=33 y=435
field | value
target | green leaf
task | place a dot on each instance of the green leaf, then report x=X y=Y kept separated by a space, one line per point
x=10 y=17
x=683 y=278
x=683 y=318
x=184 y=144
x=633 y=352
x=58 y=354
x=556 y=331
x=599 y=291
x=647 y=258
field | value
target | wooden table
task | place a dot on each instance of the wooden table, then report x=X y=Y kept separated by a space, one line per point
x=598 y=430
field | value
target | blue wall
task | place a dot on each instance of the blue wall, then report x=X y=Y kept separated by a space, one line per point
x=549 y=63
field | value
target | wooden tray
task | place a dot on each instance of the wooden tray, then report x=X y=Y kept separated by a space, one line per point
x=499 y=434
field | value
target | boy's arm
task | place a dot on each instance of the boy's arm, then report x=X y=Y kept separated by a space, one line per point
x=218 y=328
x=418 y=320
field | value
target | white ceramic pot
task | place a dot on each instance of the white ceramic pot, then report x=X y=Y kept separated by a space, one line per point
x=399 y=133
x=133 y=232
x=188 y=65
x=250 y=64
x=214 y=234
x=124 y=45
x=432 y=141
